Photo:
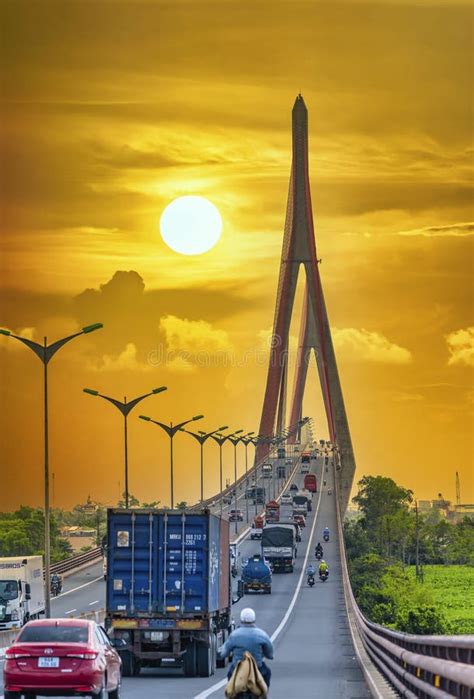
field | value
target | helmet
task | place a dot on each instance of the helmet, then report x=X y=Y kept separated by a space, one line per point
x=247 y=616
x=323 y=561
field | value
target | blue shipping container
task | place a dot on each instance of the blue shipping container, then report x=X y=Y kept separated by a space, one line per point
x=167 y=563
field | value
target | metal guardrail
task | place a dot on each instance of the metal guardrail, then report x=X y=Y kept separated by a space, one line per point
x=415 y=666
x=76 y=561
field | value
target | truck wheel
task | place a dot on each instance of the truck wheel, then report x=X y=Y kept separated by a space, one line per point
x=190 y=661
x=11 y=695
x=127 y=663
x=205 y=659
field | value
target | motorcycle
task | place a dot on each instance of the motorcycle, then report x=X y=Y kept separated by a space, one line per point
x=323 y=576
x=56 y=588
x=326 y=537
x=311 y=579
x=318 y=555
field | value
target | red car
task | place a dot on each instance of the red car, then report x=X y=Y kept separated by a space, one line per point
x=300 y=520
x=62 y=657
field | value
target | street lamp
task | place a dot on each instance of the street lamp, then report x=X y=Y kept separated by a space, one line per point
x=171 y=431
x=45 y=353
x=125 y=408
x=220 y=439
x=246 y=440
x=202 y=437
x=235 y=440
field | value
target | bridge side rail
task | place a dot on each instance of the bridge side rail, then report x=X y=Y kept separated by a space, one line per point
x=416 y=666
x=80 y=560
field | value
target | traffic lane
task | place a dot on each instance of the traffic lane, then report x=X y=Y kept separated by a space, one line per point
x=315 y=656
x=86 y=594
x=269 y=609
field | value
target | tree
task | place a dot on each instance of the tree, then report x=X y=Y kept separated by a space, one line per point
x=382 y=503
x=182 y=505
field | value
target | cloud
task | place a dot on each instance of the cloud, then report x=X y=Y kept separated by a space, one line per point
x=180 y=365
x=126 y=360
x=369 y=346
x=461 y=346
x=455 y=230
x=193 y=336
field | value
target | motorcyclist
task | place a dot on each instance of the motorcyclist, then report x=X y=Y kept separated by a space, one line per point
x=311 y=571
x=249 y=637
x=323 y=568
x=56 y=582
x=318 y=551
x=326 y=532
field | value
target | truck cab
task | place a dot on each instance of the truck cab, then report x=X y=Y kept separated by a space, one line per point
x=21 y=591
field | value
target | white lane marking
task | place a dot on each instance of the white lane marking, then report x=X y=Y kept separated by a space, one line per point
x=219 y=685
x=96 y=601
x=70 y=611
x=75 y=589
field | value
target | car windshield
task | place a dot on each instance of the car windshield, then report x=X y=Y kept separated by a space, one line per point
x=8 y=590
x=54 y=634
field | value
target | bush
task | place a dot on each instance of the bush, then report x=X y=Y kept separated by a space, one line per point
x=422 y=619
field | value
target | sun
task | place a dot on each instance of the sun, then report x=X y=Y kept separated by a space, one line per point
x=191 y=225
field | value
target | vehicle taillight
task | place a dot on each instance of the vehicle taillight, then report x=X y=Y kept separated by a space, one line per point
x=90 y=655
x=13 y=654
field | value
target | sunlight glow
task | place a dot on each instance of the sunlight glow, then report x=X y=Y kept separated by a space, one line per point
x=191 y=225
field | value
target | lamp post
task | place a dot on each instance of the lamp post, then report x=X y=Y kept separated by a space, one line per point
x=259 y=439
x=202 y=437
x=45 y=353
x=247 y=439
x=171 y=431
x=125 y=408
x=220 y=439
x=235 y=440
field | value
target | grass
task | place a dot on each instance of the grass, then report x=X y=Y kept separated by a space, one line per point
x=452 y=589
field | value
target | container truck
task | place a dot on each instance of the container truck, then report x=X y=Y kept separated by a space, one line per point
x=21 y=590
x=311 y=483
x=300 y=504
x=272 y=511
x=168 y=592
x=257 y=526
x=279 y=547
x=256 y=576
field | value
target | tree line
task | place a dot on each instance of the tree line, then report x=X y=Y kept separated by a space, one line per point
x=387 y=537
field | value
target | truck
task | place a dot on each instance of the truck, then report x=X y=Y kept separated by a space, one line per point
x=256 y=576
x=272 y=511
x=256 y=494
x=168 y=590
x=300 y=503
x=281 y=453
x=306 y=457
x=311 y=483
x=267 y=470
x=281 y=471
x=279 y=547
x=21 y=590
x=257 y=526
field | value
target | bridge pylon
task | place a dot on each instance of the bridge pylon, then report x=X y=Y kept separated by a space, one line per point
x=299 y=248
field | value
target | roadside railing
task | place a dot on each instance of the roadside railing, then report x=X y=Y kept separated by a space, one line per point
x=80 y=560
x=415 y=666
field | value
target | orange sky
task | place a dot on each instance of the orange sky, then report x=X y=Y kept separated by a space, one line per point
x=113 y=108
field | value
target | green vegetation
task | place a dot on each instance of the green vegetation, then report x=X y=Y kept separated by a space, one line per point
x=22 y=532
x=408 y=572
x=452 y=589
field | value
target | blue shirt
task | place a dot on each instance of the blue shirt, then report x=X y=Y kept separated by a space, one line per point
x=247 y=637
